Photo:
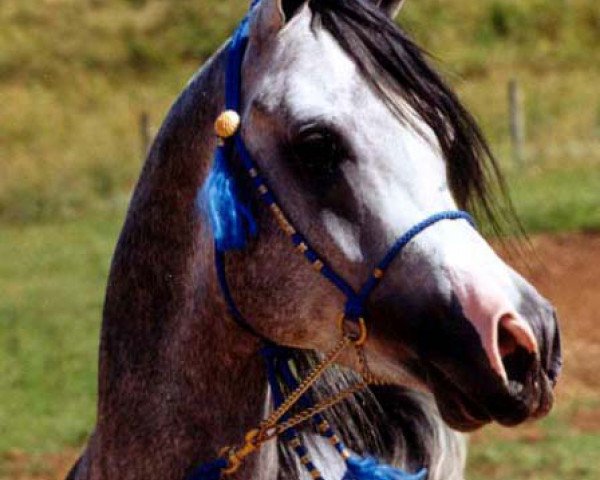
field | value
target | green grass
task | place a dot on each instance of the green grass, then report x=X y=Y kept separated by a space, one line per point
x=556 y=200
x=555 y=448
x=52 y=279
x=75 y=76
x=564 y=455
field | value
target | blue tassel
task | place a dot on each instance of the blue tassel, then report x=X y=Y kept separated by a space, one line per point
x=370 y=469
x=230 y=218
x=209 y=471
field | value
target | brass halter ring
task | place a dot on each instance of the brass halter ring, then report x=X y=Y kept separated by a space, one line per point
x=235 y=457
x=354 y=330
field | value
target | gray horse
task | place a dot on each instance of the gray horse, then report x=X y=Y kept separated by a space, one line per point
x=360 y=139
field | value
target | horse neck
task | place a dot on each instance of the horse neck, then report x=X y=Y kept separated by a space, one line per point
x=178 y=379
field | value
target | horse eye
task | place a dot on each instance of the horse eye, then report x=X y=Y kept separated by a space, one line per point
x=317 y=155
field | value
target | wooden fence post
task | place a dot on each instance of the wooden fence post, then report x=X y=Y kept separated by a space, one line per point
x=517 y=122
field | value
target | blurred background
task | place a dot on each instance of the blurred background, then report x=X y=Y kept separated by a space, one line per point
x=84 y=85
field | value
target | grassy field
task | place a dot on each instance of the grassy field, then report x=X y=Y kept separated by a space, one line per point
x=52 y=279
x=75 y=75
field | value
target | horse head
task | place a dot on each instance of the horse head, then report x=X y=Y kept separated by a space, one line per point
x=360 y=139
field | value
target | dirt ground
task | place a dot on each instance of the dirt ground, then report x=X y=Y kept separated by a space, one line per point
x=566 y=269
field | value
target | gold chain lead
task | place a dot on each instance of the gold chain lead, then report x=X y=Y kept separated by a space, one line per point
x=270 y=428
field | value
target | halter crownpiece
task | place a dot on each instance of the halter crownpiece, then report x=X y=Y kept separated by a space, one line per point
x=232 y=224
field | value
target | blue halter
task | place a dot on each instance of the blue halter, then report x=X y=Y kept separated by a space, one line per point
x=233 y=224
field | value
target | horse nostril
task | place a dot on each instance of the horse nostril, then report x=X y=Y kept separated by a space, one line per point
x=518 y=349
x=507 y=343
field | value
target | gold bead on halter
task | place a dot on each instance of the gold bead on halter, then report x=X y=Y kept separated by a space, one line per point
x=227 y=124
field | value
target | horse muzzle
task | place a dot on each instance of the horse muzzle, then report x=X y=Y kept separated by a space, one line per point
x=519 y=361
x=484 y=358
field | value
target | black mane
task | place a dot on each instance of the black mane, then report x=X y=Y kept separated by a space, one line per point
x=395 y=66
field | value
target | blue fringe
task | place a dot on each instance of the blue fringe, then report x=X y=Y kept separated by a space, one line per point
x=209 y=471
x=231 y=220
x=370 y=469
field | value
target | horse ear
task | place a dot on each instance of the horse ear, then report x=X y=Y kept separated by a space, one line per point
x=391 y=7
x=272 y=15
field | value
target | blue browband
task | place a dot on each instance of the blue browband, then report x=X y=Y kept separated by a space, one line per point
x=243 y=225
x=232 y=224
